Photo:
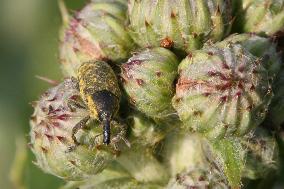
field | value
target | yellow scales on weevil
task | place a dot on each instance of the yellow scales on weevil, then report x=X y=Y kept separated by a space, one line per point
x=100 y=91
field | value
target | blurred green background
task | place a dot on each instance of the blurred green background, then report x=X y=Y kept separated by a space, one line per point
x=28 y=47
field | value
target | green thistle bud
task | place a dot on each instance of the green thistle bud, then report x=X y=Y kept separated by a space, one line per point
x=183 y=25
x=251 y=156
x=262 y=154
x=276 y=109
x=189 y=167
x=145 y=131
x=183 y=151
x=51 y=135
x=262 y=16
x=148 y=78
x=260 y=47
x=135 y=169
x=114 y=181
x=95 y=33
x=114 y=177
x=199 y=178
x=111 y=178
x=143 y=166
x=222 y=91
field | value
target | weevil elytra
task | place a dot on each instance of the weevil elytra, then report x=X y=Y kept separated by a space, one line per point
x=100 y=92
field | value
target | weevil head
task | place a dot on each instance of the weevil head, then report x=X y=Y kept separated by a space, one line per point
x=106 y=106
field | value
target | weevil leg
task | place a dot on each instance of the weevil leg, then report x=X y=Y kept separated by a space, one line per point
x=121 y=134
x=75 y=129
x=73 y=105
x=79 y=126
x=95 y=143
x=114 y=141
x=116 y=149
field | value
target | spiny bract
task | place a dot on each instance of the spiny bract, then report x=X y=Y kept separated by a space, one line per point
x=260 y=47
x=51 y=135
x=97 y=32
x=148 y=78
x=185 y=158
x=222 y=91
x=209 y=178
x=180 y=24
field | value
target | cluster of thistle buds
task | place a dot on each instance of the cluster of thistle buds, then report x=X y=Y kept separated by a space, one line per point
x=164 y=94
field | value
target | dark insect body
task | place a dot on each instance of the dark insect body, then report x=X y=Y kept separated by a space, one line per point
x=100 y=92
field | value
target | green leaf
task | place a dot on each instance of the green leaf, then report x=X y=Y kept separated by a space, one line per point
x=230 y=158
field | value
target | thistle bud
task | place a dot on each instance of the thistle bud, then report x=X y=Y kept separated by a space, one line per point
x=56 y=113
x=261 y=16
x=182 y=25
x=222 y=91
x=187 y=162
x=111 y=178
x=148 y=78
x=95 y=33
x=143 y=166
x=260 y=47
x=199 y=178
x=145 y=131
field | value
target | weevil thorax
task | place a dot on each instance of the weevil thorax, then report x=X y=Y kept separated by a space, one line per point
x=99 y=88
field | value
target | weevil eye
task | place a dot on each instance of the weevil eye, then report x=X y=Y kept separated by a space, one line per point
x=106 y=104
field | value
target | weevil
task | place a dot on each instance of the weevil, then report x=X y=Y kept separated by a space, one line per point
x=100 y=92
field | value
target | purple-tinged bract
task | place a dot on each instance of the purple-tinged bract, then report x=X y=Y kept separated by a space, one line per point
x=97 y=32
x=148 y=78
x=222 y=91
x=51 y=135
x=182 y=25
